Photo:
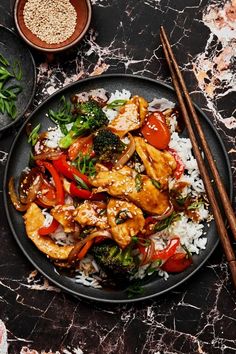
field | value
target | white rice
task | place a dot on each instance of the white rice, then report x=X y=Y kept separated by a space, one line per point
x=86 y=280
x=61 y=238
x=183 y=147
x=118 y=95
x=53 y=137
x=48 y=218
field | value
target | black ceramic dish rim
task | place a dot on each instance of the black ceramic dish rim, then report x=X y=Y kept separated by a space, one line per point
x=53 y=50
x=72 y=292
x=16 y=120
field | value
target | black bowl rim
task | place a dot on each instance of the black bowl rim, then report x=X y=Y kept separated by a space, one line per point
x=53 y=50
x=72 y=292
x=16 y=120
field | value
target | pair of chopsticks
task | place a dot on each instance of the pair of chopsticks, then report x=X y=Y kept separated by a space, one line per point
x=188 y=110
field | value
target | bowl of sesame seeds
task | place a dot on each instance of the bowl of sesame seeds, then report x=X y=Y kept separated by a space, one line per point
x=52 y=25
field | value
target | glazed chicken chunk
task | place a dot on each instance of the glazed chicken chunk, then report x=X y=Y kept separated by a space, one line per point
x=123 y=184
x=131 y=116
x=159 y=165
x=125 y=219
x=91 y=214
x=34 y=220
x=64 y=215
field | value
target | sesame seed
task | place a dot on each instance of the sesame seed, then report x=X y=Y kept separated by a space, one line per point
x=51 y=21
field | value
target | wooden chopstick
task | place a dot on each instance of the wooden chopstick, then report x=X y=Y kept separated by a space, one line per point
x=181 y=91
x=223 y=195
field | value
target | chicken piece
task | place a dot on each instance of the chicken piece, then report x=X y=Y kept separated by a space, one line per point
x=131 y=116
x=88 y=214
x=34 y=220
x=123 y=184
x=159 y=165
x=125 y=219
x=64 y=215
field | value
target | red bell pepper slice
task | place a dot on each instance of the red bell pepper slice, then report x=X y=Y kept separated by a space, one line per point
x=79 y=193
x=168 y=251
x=177 y=263
x=81 y=145
x=164 y=254
x=60 y=196
x=180 y=166
x=45 y=230
x=69 y=171
x=85 y=250
x=85 y=194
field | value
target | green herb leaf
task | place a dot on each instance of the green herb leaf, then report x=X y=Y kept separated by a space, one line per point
x=102 y=212
x=182 y=200
x=33 y=137
x=157 y=184
x=154 y=266
x=122 y=216
x=116 y=104
x=138 y=182
x=135 y=289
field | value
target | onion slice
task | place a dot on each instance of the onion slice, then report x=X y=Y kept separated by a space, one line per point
x=75 y=251
x=149 y=254
x=126 y=155
x=33 y=190
x=49 y=155
x=14 y=198
x=166 y=214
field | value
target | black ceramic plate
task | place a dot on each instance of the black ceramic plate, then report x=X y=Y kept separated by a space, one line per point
x=13 y=48
x=19 y=158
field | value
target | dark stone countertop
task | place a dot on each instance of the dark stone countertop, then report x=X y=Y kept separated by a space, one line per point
x=198 y=316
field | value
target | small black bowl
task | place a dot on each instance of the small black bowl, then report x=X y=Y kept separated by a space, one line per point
x=14 y=49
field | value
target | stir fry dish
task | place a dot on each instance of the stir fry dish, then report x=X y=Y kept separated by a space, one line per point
x=112 y=190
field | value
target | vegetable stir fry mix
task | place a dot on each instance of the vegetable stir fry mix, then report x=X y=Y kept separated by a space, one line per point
x=108 y=193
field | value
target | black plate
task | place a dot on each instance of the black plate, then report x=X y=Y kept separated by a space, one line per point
x=13 y=48
x=19 y=157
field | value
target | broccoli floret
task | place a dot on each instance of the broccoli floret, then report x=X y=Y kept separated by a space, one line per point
x=117 y=263
x=90 y=117
x=107 y=145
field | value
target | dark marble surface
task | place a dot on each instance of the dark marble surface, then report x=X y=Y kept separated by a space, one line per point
x=200 y=315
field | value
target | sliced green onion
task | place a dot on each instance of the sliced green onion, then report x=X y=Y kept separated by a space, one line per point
x=163 y=224
x=81 y=183
x=4 y=61
x=17 y=71
x=138 y=182
x=33 y=137
x=156 y=183
x=116 y=104
x=195 y=205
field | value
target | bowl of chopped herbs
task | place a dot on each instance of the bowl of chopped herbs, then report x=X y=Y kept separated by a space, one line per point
x=17 y=78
